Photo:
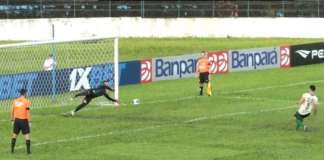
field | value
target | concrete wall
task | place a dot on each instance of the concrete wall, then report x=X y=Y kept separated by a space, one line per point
x=65 y=28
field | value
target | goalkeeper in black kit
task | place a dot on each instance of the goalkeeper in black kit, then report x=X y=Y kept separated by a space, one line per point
x=93 y=93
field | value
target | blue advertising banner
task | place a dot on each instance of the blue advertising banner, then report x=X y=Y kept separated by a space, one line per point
x=252 y=59
x=43 y=84
x=129 y=72
x=71 y=79
x=166 y=68
x=10 y=84
x=90 y=77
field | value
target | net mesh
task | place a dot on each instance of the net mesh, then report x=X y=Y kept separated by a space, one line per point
x=80 y=64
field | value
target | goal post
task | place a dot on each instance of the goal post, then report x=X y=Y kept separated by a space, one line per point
x=79 y=64
x=116 y=68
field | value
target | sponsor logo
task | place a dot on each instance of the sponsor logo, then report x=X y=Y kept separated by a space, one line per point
x=307 y=54
x=254 y=59
x=79 y=78
x=19 y=104
x=175 y=67
x=219 y=62
x=146 y=71
x=65 y=80
x=130 y=72
x=314 y=53
x=303 y=53
x=97 y=74
x=285 y=56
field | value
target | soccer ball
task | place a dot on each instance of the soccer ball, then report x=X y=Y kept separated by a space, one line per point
x=136 y=101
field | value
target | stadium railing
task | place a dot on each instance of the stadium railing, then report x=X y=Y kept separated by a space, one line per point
x=151 y=9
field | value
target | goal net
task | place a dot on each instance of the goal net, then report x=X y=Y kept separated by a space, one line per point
x=71 y=66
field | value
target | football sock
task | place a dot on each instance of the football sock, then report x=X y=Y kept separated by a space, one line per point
x=209 y=89
x=201 y=91
x=299 y=123
x=28 y=146
x=84 y=93
x=80 y=107
x=77 y=95
x=13 y=143
x=114 y=100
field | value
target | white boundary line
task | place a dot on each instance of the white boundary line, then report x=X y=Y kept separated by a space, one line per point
x=188 y=121
x=276 y=86
x=157 y=126
x=189 y=98
x=238 y=113
x=192 y=97
x=238 y=97
x=255 y=98
x=165 y=101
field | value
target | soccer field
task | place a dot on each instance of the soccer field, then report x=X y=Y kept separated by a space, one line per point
x=250 y=116
x=77 y=54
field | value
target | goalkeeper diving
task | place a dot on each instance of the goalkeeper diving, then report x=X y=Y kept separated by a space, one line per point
x=94 y=93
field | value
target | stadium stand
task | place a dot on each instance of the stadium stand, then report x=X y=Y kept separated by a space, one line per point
x=150 y=8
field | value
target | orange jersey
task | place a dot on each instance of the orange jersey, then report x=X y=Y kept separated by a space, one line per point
x=20 y=109
x=203 y=65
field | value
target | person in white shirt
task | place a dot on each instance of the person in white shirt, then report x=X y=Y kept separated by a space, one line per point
x=308 y=105
x=49 y=63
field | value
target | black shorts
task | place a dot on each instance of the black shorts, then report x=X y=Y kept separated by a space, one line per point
x=21 y=125
x=87 y=99
x=299 y=116
x=204 y=77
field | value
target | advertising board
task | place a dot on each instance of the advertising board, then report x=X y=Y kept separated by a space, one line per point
x=174 y=67
x=307 y=54
x=254 y=59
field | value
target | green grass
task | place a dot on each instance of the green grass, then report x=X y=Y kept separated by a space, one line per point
x=68 y=55
x=138 y=48
x=249 y=117
x=83 y=54
x=8 y=42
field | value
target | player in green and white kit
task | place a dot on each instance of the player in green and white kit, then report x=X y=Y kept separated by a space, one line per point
x=308 y=104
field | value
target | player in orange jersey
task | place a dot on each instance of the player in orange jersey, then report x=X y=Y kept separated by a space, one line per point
x=203 y=66
x=20 y=117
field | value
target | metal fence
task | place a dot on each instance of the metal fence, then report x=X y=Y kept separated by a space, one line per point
x=153 y=9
